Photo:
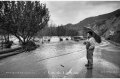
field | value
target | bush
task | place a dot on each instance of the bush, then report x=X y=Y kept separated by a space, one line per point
x=7 y=44
x=30 y=45
x=61 y=39
x=67 y=39
x=48 y=40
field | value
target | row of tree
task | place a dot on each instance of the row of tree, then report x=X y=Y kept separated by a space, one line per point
x=58 y=31
x=63 y=31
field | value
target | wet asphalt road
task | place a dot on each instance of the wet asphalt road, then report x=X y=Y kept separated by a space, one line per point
x=62 y=59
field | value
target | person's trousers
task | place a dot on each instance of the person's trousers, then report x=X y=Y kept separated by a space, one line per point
x=90 y=56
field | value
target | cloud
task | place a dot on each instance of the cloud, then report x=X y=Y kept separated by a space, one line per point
x=63 y=12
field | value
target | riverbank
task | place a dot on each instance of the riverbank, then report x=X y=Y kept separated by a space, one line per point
x=9 y=52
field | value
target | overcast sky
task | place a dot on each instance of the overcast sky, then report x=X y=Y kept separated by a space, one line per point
x=63 y=12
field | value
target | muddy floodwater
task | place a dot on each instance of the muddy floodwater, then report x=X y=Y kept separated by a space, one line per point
x=64 y=59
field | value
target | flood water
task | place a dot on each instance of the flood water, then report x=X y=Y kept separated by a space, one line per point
x=51 y=60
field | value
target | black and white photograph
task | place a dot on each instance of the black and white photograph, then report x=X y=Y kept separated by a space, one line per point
x=59 y=39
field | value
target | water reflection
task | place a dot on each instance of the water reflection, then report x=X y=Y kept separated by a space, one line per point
x=89 y=73
x=62 y=59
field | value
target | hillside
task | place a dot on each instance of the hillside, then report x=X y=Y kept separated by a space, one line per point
x=106 y=25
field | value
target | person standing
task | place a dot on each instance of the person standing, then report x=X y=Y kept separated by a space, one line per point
x=90 y=46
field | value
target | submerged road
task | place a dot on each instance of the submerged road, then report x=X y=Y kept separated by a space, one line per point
x=62 y=60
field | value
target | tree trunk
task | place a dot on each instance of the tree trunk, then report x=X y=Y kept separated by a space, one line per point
x=20 y=40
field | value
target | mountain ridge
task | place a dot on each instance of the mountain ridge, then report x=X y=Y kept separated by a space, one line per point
x=104 y=24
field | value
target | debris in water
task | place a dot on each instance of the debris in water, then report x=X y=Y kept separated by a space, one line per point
x=62 y=65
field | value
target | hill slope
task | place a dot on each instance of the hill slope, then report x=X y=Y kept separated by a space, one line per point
x=106 y=25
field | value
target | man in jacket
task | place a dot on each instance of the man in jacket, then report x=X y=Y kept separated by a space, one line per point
x=90 y=46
